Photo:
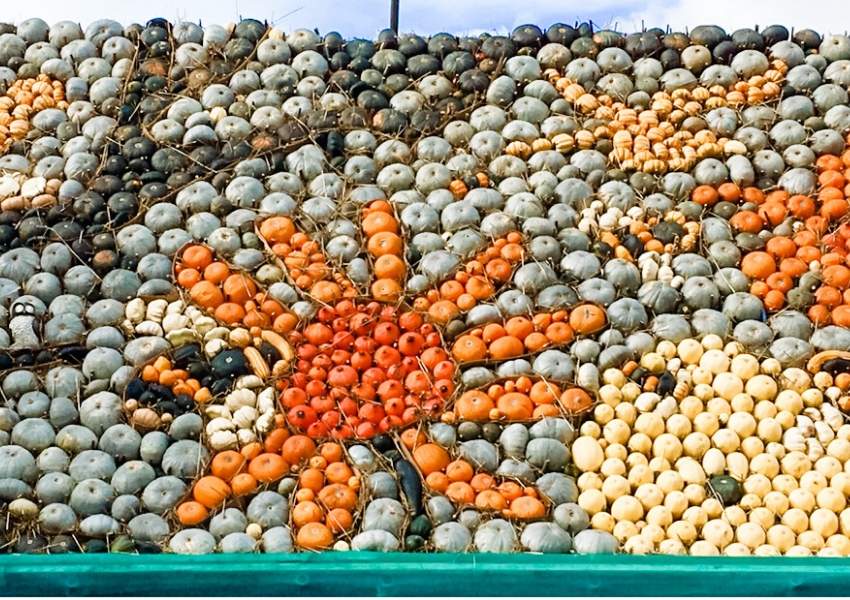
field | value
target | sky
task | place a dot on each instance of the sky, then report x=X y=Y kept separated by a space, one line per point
x=367 y=17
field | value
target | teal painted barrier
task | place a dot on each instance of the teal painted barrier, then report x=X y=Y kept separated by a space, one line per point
x=363 y=573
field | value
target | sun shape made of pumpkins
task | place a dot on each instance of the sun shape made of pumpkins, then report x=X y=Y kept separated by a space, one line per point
x=352 y=356
x=552 y=291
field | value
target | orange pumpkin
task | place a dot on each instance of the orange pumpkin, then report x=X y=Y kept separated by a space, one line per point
x=587 y=319
x=490 y=500
x=430 y=458
x=384 y=242
x=507 y=346
x=211 y=491
x=474 y=405
x=227 y=464
x=527 y=508
x=339 y=520
x=268 y=467
x=758 y=264
x=377 y=221
x=544 y=392
x=516 y=406
x=338 y=495
x=206 y=294
x=243 y=484
x=575 y=400
x=298 y=448
x=192 y=513
x=239 y=288
x=470 y=348
x=314 y=536
x=277 y=229
x=197 y=257
x=307 y=512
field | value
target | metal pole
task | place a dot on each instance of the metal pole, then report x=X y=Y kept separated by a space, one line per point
x=394 y=15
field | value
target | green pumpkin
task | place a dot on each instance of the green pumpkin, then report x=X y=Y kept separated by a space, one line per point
x=727 y=488
x=420 y=526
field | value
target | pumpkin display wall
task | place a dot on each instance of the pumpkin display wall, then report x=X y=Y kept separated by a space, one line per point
x=559 y=291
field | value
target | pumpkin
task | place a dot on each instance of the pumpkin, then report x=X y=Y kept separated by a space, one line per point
x=53 y=487
x=545 y=538
x=153 y=447
x=98 y=526
x=430 y=458
x=700 y=292
x=595 y=542
x=547 y=454
x=791 y=351
x=192 y=541
x=557 y=488
x=555 y=428
x=741 y=306
x=57 y=518
x=237 y=542
x=91 y=497
x=211 y=491
x=627 y=314
x=554 y=365
x=514 y=469
x=481 y=454
x=184 y=458
x=277 y=539
x=440 y=509
x=125 y=508
x=268 y=509
x=162 y=494
x=513 y=440
x=753 y=335
x=572 y=518
x=375 y=541
x=442 y=434
x=671 y=327
x=659 y=297
x=385 y=514
x=727 y=489
x=451 y=537
x=382 y=485
x=132 y=477
x=619 y=230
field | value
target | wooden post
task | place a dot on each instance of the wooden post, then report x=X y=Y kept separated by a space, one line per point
x=394 y=15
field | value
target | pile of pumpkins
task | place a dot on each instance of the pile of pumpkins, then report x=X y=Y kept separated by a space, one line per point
x=744 y=457
x=563 y=290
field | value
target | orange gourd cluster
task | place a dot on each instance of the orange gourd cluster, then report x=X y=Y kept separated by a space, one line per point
x=522 y=335
x=23 y=100
x=385 y=247
x=642 y=230
x=232 y=297
x=460 y=188
x=327 y=496
x=653 y=140
x=776 y=269
x=457 y=480
x=363 y=369
x=304 y=261
x=327 y=489
x=521 y=399
x=235 y=474
x=832 y=298
x=475 y=282
x=177 y=380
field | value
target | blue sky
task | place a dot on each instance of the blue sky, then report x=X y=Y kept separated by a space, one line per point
x=367 y=17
